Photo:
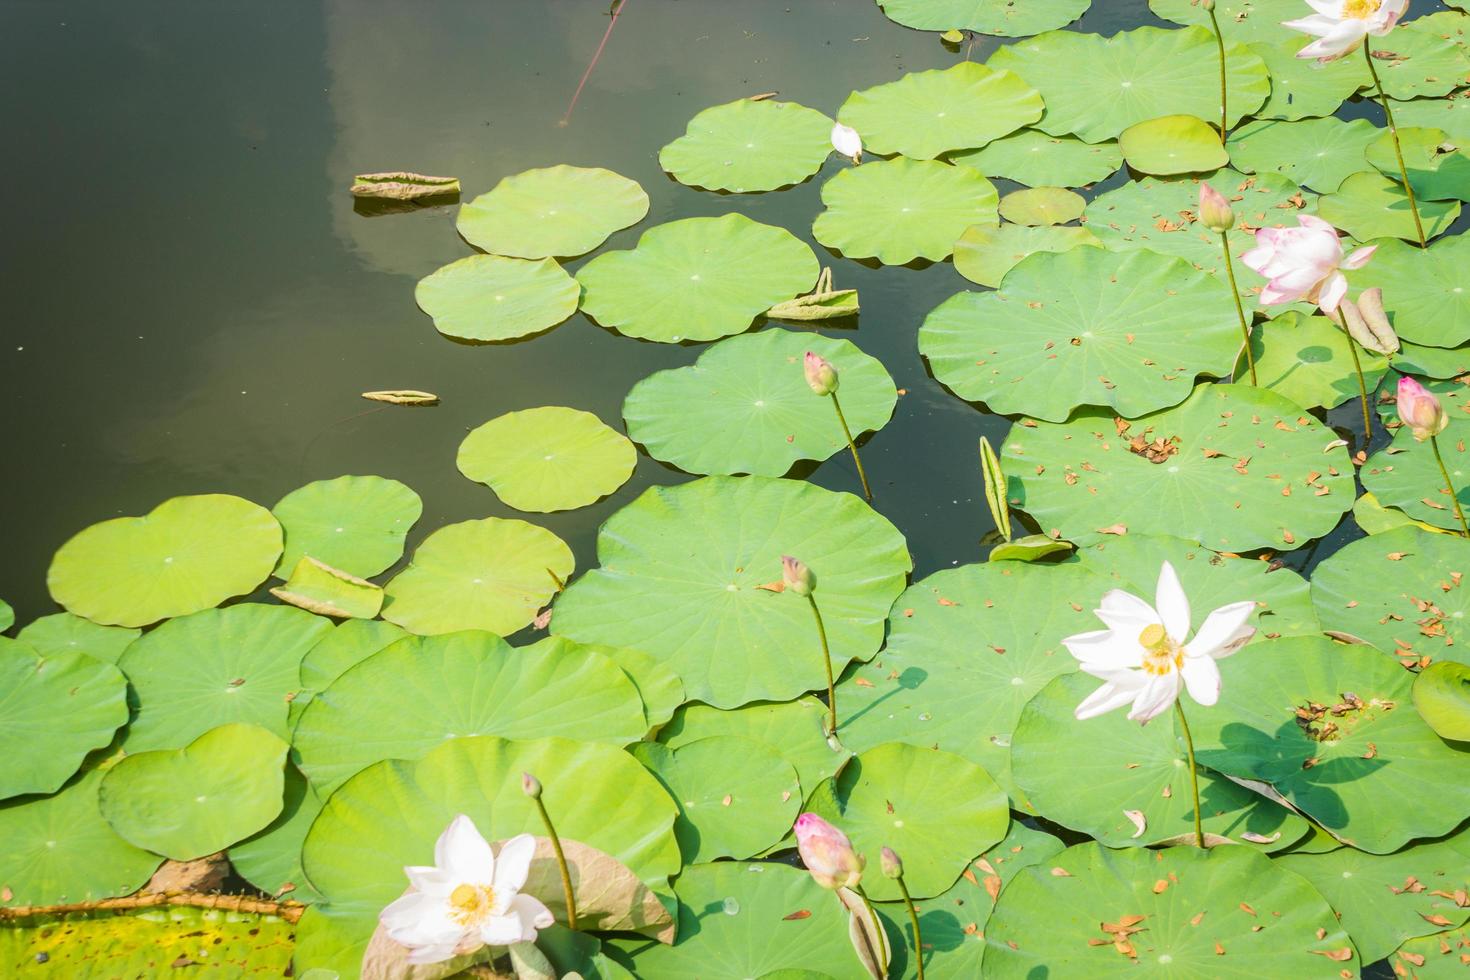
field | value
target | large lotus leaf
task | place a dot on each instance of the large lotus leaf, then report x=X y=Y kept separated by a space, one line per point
x=578 y=952
x=346 y=646
x=936 y=809
x=1174 y=144
x=491 y=574
x=186 y=803
x=68 y=633
x=1333 y=729
x=899 y=210
x=1442 y=697
x=187 y=554
x=1180 y=912
x=1039 y=206
x=354 y=523
x=1128 y=330
x=1370 y=205
x=492 y=297
x=389 y=816
x=1303 y=87
x=925 y=113
x=659 y=687
x=59 y=849
x=1316 y=153
x=736 y=795
x=1247 y=471
x=1451 y=114
x=1036 y=159
x=1424 y=290
x=271 y=860
x=558 y=210
x=750 y=145
x=1374 y=518
x=1307 y=359
x=1442 y=956
x=237 y=664
x=547 y=459
x=681 y=576
x=985 y=16
x=1432 y=362
x=53 y=711
x=1424 y=56
x=1241 y=20
x=1400 y=591
x=1126 y=784
x=406 y=699
x=985 y=253
x=1406 y=474
x=745 y=406
x=1096 y=87
x=1438 y=169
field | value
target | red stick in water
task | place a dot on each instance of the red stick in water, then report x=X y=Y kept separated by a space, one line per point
x=617 y=12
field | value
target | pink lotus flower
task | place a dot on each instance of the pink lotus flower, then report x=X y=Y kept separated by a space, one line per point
x=820 y=374
x=797 y=577
x=1304 y=263
x=1340 y=26
x=1420 y=410
x=827 y=853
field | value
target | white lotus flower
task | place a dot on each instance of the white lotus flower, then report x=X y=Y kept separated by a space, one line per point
x=471 y=898
x=845 y=140
x=1341 y=25
x=1143 y=654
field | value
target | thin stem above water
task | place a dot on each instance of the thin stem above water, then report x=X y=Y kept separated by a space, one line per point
x=1199 y=831
x=1398 y=150
x=561 y=863
x=908 y=902
x=1449 y=486
x=827 y=663
x=1220 y=44
x=852 y=446
x=1245 y=330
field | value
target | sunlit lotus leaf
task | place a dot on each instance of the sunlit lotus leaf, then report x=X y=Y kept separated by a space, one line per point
x=1036 y=159
x=925 y=113
x=1436 y=957
x=237 y=664
x=659 y=687
x=53 y=711
x=1370 y=205
x=899 y=210
x=1333 y=729
x=319 y=588
x=492 y=297
x=1042 y=206
x=1406 y=474
x=985 y=16
x=1172 y=912
x=271 y=860
x=1400 y=591
x=188 y=802
x=552 y=211
x=745 y=406
x=1374 y=518
x=1238 y=469
x=354 y=523
x=1424 y=290
x=187 y=554
x=1303 y=87
x=346 y=646
x=1175 y=144
x=453 y=686
x=547 y=459
x=1306 y=358
x=66 y=633
x=578 y=952
x=1316 y=153
x=1129 y=330
x=1451 y=114
x=1096 y=87
x=1423 y=56
x=1439 y=170
x=985 y=253
x=1240 y=20
x=696 y=279
x=1442 y=697
x=749 y=145
x=492 y=574
x=1432 y=362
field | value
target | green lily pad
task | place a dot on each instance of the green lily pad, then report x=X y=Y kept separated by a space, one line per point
x=659 y=687
x=985 y=253
x=745 y=406
x=1374 y=518
x=552 y=211
x=1183 y=905
x=491 y=297
x=547 y=459
x=1432 y=362
x=355 y=523
x=925 y=113
x=1302 y=87
x=1424 y=290
x=271 y=860
x=1316 y=153
x=1350 y=766
x=187 y=554
x=1451 y=114
x=1370 y=205
x=1129 y=330
x=346 y=646
x=899 y=210
x=1437 y=957
x=66 y=633
x=1037 y=159
x=1424 y=56
x=696 y=279
x=1442 y=696
x=238 y=664
x=1438 y=169
x=491 y=574
x=186 y=803
x=470 y=683
x=1406 y=475
x=1096 y=87
x=1241 y=20
x=1197 y=492
x=1306 y=358
x=985 y=16
x=1176 y=144
x=746 y=146
x=1042 y=206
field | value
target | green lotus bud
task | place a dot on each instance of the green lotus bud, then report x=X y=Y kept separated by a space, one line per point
x=891 y=863
x=797 y=576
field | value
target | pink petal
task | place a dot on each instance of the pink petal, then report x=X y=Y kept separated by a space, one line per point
x=1359 y=258
x=1332 y=292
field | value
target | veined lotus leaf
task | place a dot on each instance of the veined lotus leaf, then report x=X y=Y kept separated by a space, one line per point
x=1424 y=290
x=547 y=459
x=985 y=253
x=1302 y=87
x=748 y=145
x=1432 y=362
x=1096 y=87
x=1400 y=591
x=552 y=211
x=67 y=633
x=1427 y=56
x=1439 y=170
x=578 y=952
x=1066 y=914
x=1306 y=358
x=346 y=646
x=1442 y=695
x=899 y=210
x=1332 y=729
x=745 y=406
x=456 y=685
x=1174 y=144
x=403 y=185
x=318 y=587
x=696 y=279
x=1406 y=474
x=491 y=297
x=491 y=574
x=1126 y=784
x=1374 y=518
x=736 y=795
x=1316 y=153
x=1370 y=205
x=1451 y=114
x=187 y=554
x=1042 y=206
x=984 y=16
x=659 y=687
x=237 y=664
x=1128 y=330
x=1241 y=20
x=681 y=576
x=355 y=523
x=1436 y=957
x=389 y=816
x=186 y=803
x=926 y=113
x=1238 y=468
x=53 y=711
x=271 y=860
x=1037 y=159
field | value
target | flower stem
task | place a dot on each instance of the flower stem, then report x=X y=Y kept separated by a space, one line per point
x=853 y=447
x=826 y=662
x=561 y=861
x=1245 y=330
x=880 y=955
x=1362 y=391
x=1220 y=44
x=1199 y=832
x=1397 y=149
x=913 y=918
x=1460 y=514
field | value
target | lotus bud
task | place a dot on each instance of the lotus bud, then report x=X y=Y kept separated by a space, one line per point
x=796 y=576
x=1420 y=410
x=891 y=863
x=827 y=853
x=1214 y=211
x=845 y=140
x=531 y=786
x=1207 y=5
x=820 y=374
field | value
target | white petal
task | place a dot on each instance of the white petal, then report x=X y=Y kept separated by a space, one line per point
x=1327 y=8
x=1202 y=679
x=1219 y=629
x=1173 y=604
x=431 y=881
x=437 y=953
x=514 y=863
x=1316 y=24
x=462 y=852
x=1106 y=698
x=1105 y=649
x=531 y=910
x=1118 y=603
x=502 y=930
x=1156 y=698
x=417 y=920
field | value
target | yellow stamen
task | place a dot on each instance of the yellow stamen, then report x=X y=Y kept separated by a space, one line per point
x=1160 y=654
x=1361 y=9
x=470 y=905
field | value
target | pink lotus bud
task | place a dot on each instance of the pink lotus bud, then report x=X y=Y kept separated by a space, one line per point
x=1214 y=211
x=797 y=576
x=531 y=786
x=827 y=853
x=1420 y=410
x=891 y=863
x=820 y=374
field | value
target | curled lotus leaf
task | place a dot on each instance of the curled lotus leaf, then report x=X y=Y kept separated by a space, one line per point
x=403 y=185
x=319 y=588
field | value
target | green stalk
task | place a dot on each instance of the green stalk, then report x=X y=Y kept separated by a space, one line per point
x=1220 y=44
x=1199 y=832
x=853 y=447
x=1460 y=514
x=826 y=662
x=1397 y=150
x=1245 y=330
x=561 y=861
x=879 y=955
x=913 y=918
x=1362 y=391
